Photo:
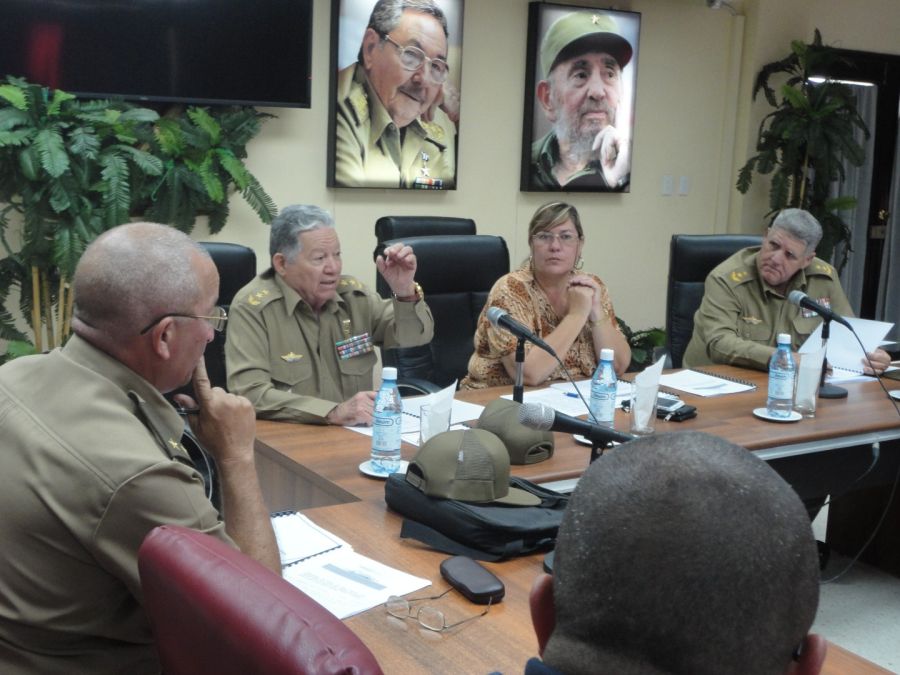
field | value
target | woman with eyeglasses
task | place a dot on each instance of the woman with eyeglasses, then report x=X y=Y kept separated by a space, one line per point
x=549 y=294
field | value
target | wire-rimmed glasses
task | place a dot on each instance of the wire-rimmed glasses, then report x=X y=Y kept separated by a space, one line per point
x=217 y=321
x=564 y=238
x=428 y=617
x=412 y=58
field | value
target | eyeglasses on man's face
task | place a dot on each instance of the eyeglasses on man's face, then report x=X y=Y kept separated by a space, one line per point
x=428 y=617
x=412 y=58
x=564 y=238
x=217 y=321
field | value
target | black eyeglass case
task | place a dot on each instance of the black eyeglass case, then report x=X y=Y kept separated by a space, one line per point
x=475 y=582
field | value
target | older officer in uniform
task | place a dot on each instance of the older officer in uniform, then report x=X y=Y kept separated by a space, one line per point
x=92 y=462
x=745 y=303
x=391 y=131
x=301 y=337
x=582 y=57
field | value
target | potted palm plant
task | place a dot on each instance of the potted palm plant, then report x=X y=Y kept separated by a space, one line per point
x=71 y=169
x=805 y=141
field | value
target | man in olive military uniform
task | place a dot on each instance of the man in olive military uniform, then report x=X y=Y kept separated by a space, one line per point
x=92 y=459
x=745 y=303
x=391 y=131
x=301 y=336
x=582 y=57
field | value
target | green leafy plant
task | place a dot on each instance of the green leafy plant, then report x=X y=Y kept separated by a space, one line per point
x=805 y=141
x=202 y=150
x=66 y=168
x=644 y=344
x=71 y=169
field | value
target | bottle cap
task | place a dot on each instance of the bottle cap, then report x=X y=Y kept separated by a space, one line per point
x=388 y=373
x=784 y=339
x=606 y=354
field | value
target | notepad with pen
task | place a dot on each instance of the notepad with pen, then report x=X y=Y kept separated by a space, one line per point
x=702 y=383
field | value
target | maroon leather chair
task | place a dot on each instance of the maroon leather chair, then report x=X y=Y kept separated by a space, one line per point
x=215 y=610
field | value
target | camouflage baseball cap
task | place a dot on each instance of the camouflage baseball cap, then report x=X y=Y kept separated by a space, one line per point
x=470 y=466
x=525 y=445
x=580 y=32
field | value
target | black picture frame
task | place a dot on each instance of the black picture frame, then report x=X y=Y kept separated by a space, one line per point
x=376 y=145
x=596 y=32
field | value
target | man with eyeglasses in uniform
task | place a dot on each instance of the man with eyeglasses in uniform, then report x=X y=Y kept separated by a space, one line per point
x=582 y=56
x=92 y=459
x=392 y=128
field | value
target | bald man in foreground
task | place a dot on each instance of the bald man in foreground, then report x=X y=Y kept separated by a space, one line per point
x=92 y=460
x=680 y=554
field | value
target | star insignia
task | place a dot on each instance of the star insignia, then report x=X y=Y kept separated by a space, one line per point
x=256 y=298
x=595 y=19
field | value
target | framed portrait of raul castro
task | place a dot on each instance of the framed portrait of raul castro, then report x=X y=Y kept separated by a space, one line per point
x=581 y=75
x=395 y=83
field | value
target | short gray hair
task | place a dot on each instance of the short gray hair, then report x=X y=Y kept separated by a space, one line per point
x=290 y=223
x=386 y=16
x=800 y=225
x=133 y=273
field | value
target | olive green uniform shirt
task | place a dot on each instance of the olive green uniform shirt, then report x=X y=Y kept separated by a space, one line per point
x=741 y=316
x=545 y=156
x=371 y=151
x=282 y=356
x=91 y=462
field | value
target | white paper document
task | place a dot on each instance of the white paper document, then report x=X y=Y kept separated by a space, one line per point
x=460 y=411
x=844 y=352
x=562 y=398
x=337 y=577
x=703 y=384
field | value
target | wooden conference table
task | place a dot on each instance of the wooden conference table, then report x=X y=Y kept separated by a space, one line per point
x=316 y=469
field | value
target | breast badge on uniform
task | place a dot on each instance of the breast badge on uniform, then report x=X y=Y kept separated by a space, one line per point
x=752 y=320
x=809 y=313
x=291 y=357
x=256 y=298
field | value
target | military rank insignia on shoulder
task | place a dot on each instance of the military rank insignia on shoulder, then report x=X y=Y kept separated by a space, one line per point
x=256 y=298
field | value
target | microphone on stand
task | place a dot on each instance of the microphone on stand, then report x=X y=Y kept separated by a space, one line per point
x=500 y=318
x=801 y=299
x=543 y=417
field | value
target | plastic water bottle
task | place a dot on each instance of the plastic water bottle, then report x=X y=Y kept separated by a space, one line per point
x=782 y=372
x=386 y=424
x=603 y=391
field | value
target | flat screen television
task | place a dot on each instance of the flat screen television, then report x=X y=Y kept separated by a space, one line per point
x=250 y=52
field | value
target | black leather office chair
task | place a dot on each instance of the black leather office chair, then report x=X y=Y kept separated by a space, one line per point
x=456 y=273
x=691 y=258
x=237 y=267
x=400 y=227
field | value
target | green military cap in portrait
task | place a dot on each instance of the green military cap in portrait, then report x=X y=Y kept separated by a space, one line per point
x=592 y=31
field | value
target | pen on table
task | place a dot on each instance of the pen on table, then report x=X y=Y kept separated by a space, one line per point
x=571 y=394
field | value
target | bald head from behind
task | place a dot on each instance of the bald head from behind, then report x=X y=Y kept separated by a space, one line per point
x=133 y=275
x=681 y=553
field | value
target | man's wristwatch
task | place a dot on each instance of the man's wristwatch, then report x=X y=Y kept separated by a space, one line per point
x=417 y=295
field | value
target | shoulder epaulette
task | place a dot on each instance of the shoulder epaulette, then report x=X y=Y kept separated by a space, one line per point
x=350 y=285
x=258 y=298
x=359 y=104
x=821 y=268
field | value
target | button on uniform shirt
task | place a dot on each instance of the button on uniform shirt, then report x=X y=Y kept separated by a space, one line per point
x=741 y=316
x=283 y=357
